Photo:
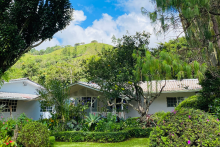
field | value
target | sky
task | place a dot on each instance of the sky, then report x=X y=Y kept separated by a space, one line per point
x=101 y=19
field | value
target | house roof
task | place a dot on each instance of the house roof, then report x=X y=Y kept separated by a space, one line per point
x=185 y=85
x=25 y=80
x=172 y=86
x=17 y=96
x=88 y=85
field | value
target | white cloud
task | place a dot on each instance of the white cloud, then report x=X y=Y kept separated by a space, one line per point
x=48 y=43
x=103 y=29
x=78 y=17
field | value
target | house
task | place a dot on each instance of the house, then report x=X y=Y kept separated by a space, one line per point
x=174 y=92
x=21 y=96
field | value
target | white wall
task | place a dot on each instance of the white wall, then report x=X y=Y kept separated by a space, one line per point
x=160 y=104
x=30 y=108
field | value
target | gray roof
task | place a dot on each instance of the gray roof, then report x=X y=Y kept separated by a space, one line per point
x=185 y=85
x=17 y=96
x=24 y=79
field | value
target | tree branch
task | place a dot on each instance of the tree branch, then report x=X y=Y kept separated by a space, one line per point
x=213 y=13
x=37 y=44
x=157 y=95
x=113 y=104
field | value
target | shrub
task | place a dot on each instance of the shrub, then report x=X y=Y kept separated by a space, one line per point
x=6 y=141
x=109 y=124
x=186 y=127
x=190 y=102
x=92 y=120
x=52 y=140
x=34 y=134
x=77 y=136
x=157 y=116
x=7 y=127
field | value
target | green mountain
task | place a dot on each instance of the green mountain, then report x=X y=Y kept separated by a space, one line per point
x=64 y=63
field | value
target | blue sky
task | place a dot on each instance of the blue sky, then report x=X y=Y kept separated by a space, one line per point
x=94 y=9
x=101 y=19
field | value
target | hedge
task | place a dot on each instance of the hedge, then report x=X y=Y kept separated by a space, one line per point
x=77 y=136
x=52 y=141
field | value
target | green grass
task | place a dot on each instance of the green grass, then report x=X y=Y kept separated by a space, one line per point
x=134 y=142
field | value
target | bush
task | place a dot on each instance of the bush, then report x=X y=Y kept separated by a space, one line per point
x=157 y=116
x=186 y=127
x=52 y=140
x=109 y=124
x=34 y=134
x=77 y=136
x=190 y=102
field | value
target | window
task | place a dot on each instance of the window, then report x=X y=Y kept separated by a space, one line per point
x=174 y=101
x=88 y=100
x=7 y=103
x=46 y=109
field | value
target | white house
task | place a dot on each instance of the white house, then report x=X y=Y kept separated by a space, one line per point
x=174 y=92
x=21 y=96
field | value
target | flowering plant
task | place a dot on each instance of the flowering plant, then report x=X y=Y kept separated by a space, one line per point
x=186 y=127
x=7 y=142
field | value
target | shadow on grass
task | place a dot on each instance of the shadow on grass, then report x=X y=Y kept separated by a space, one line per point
x=134 y=142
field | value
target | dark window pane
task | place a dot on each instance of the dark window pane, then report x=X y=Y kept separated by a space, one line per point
x=171 y=102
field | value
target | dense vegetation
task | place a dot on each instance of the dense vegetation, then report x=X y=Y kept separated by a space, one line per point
x=28 y=23
x=58 y=62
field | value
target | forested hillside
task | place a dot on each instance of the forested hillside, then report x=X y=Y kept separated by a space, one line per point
x=62 y=63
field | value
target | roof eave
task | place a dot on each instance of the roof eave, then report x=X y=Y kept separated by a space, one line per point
x=90 y=87
x=178 y=91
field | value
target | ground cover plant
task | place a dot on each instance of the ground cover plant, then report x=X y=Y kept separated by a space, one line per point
x=186 y=127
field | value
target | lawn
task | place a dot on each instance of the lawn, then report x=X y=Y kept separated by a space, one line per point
x=134 y=142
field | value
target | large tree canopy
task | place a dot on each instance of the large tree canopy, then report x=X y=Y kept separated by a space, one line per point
x=120 y=71
x=25 y=24
x=199 y=20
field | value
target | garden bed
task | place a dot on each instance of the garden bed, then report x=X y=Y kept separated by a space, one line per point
x=78 y=136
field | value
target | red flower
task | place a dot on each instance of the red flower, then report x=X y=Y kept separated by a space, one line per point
x=10 y=141
x=6 y=128
x=7 y=143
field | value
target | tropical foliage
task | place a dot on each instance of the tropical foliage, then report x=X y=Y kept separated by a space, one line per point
x=119 y=72
x=56 y=94
x=26 y=24
x=199 y=20
x=64 y=63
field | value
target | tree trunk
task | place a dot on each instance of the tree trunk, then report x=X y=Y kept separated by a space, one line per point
x=144 y=116
x=216 y=30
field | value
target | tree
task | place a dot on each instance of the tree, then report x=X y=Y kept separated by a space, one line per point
x=77 y=44
x=120 y=72
x=94 y=41
x=114 y=40
x=199 y=21
x=56 y=93
x=178 y=46
x=25 y=24
x=64 y=71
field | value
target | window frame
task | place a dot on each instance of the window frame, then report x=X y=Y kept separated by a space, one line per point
x=5 y=103
x=92 y=99
x=178 y=100
x=46 y=109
